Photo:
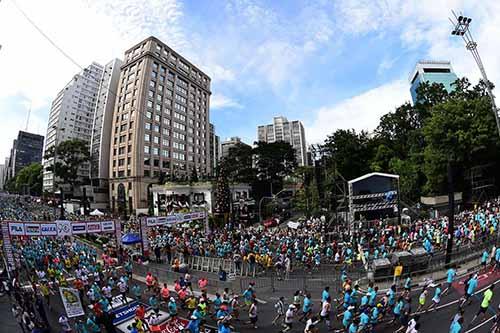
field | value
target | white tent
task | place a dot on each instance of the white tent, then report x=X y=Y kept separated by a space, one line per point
x=96 y=212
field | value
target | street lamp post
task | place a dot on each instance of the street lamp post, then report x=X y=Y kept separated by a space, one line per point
x=272 y=197
x=461 y=28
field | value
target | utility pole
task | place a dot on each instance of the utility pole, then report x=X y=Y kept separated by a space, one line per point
x=461 y=28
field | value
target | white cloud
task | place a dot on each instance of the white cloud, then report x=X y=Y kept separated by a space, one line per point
x=219 y=101
x=33 y=71
x=360 y=112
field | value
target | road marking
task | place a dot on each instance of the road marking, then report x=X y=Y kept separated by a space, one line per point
x=480 y=325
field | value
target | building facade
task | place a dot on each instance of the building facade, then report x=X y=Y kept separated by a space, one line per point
x=160 y=124
x=26 y=149
x=98 y=191
x=71 y=117
x=229 y=143
x=3 y=175
x=288 y=131
x=214 y=143
x=431 y=72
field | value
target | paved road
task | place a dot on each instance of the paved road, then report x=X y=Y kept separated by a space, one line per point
x=433 y=322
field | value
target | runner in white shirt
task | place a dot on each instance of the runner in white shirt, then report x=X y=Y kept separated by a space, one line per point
x=325 y=312
x=311 y=322
x=289 y=318
x=122 y=286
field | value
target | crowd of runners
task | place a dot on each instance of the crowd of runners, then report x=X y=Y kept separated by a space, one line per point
x=44 y=264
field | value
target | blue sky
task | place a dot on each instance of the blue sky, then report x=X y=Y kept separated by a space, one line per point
x=332 y=64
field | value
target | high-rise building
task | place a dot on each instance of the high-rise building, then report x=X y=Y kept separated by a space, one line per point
x=160 y=123
x=229 y=143
x=98 y=191
x=288 y=131
x=431 y=72
x=214 y=143
x=26 y=149
x=71 y=117
x=3 y=170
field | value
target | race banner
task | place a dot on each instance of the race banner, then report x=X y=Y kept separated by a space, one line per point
x=174 y=219
x=79 y=228
x=48 y=229
x=118 y=233
x=63 y=228
x=16 y=229
x=71 y=301
x=107 y=226
x=93 y=227
x=7 y=246
x=32 y=229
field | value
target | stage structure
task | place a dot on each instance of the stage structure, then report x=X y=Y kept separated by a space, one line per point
x=374 y=196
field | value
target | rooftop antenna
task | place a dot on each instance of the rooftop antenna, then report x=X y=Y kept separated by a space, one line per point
x=28 y=118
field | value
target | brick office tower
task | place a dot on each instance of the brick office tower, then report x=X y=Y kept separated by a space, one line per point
x=160 y=123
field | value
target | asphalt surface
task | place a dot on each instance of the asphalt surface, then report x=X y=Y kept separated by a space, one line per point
x=432 y=322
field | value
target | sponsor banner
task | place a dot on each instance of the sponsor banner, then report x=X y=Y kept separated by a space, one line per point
x=32 y=229
x=7 y=246
x=174 y=219
x=178 y=325
x=79 y=228
x=93 y=227
x=118 y=233
x=107 y=226
x=16 y=229
x=124 y=324
x=144 y=236
x=71 y=301
x=125 y=312
x=48 y=229
x=63 y=228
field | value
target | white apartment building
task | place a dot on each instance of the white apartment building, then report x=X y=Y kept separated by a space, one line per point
x=72 y=115
x=288 y=131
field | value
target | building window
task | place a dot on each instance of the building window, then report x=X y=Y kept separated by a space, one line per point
x=146 y=149
x=147 y=137
x=147 y=126
x=155 y=151
x=156 y=139
x=164 y=153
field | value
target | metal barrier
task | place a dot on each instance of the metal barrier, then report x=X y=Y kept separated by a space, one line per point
x=164 y=275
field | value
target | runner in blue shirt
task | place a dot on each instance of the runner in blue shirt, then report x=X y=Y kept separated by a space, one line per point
x=450 y=277
x=325 y=294
x=346 y=320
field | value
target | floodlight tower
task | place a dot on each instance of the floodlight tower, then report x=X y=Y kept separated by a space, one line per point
x=461 y=28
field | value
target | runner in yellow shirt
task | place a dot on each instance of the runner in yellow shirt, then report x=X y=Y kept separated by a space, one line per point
x=487 y=296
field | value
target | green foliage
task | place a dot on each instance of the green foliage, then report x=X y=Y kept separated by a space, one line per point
x=29 y=180
x=70 y=155
x=417 y=141
x=348 y=152
x=222 y=193
x=238 y=164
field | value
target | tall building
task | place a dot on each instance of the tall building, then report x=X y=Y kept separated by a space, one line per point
x=26 y=149
x=214 y=143
x=432 y=72
x=3 y=170
x=288 y=131
x=229 y=143
x=71 y=117
x=160 y=123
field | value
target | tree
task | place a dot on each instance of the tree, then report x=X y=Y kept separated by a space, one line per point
x=349 y=152
x=29 y=180
x=274 y=161
x=238 y=164
x=461 y=131
x=222 y=194
x=70 y=155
